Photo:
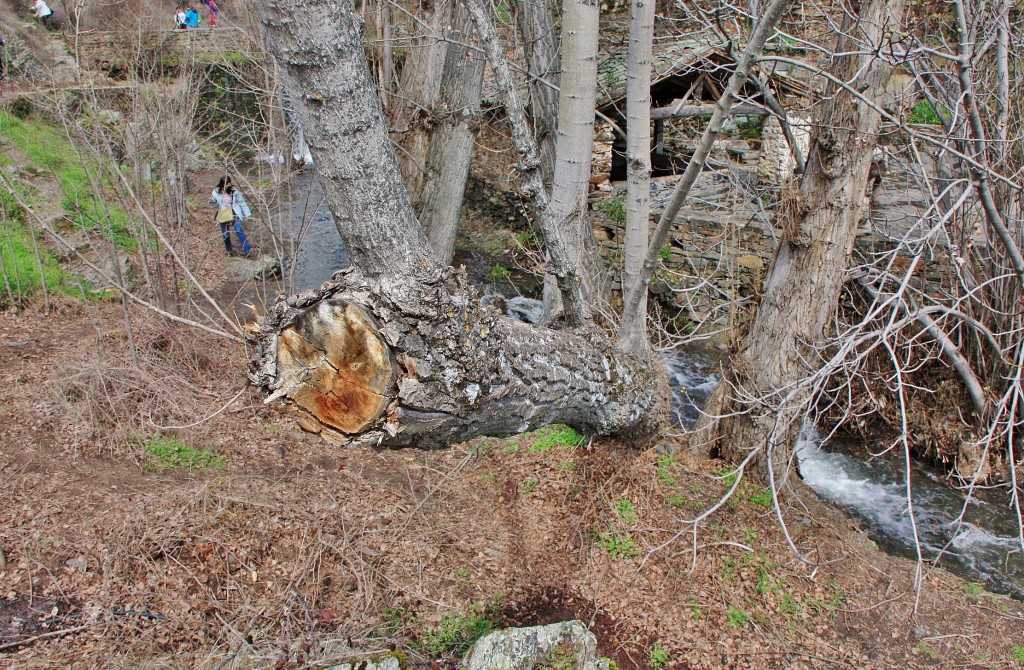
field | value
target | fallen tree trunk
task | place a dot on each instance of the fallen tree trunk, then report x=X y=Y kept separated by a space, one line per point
x=370 y=372
x=397 y=349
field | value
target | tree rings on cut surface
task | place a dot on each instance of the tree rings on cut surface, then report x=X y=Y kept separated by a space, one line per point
x=333 y=363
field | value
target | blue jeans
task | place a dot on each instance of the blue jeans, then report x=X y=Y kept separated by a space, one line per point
x=240 y=232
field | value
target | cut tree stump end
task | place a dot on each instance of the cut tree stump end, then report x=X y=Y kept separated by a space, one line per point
x=333 y=363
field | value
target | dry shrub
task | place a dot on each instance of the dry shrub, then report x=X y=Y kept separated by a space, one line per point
x=241 y=570
x=125 y=15
x=178 y=377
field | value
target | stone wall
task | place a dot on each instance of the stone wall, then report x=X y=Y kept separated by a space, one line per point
x=723 y=238
x=719 y=245
x=104 y=50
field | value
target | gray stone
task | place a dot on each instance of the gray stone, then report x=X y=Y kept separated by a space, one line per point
x=523 y=648
x=389 y=662
x=77 y=563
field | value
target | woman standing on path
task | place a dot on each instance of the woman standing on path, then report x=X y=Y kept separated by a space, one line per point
x=232 y=209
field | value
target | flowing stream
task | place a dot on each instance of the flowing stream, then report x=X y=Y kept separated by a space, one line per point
x=977 y=539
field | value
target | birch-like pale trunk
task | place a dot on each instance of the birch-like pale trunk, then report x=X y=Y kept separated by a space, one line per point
x=763 y=29
x=398 y=350
x=536 y=21
x=807 y=272
x=633 y=333
x=574 y=152
x=387 y=54
x=454 y=135
x=564 y=266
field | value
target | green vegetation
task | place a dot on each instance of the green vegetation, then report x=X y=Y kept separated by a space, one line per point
x=664 y=470
x=25 y=272
x=665 y=253
x=169 y=452
x=459 y=630
x=1017 y=653
x=624 y=510
x=502 y=13
x=972 y=590
x=675 y=500
x=555 y=436
x=924 y=112
x=617 y=546
x=927 y=650
x=735 y=617
x=727 y=475
x=613 y=208
x=562 y=657
x=499 y=271
x=528 y=239
x=763 y=498
x=659 y=657
x=50 y=151
x=528 y=486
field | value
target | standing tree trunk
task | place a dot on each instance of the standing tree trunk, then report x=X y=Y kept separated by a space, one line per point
x=536 y=21
x=398 y=350
x=418 y=90
x=633 y=335
x=455 y=131
x=574 y=151
x=757 y=408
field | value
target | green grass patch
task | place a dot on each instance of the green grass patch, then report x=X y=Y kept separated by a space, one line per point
x=924 y=112
x=553 y=437
x=49 y=151
x=727 y=475
x=972 y=590
x=169 y=452
x=735 y=617
x=459 y=630
x=659 y=657
x=26 y=273
x=617 y=545
x=625 y=510
x=664 y=470
x=763 y=498
x=675 y=500
x=1017 y=653
x=613 y=208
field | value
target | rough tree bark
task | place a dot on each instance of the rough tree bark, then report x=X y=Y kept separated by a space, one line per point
x=757 y=406
x=536 y=21
x=418 y=91
x=454 y=136
x=398 y=350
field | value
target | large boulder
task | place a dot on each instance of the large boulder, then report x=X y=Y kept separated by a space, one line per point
x=566 y=646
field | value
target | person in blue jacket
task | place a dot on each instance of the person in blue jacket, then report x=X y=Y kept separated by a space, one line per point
x=191 y=16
